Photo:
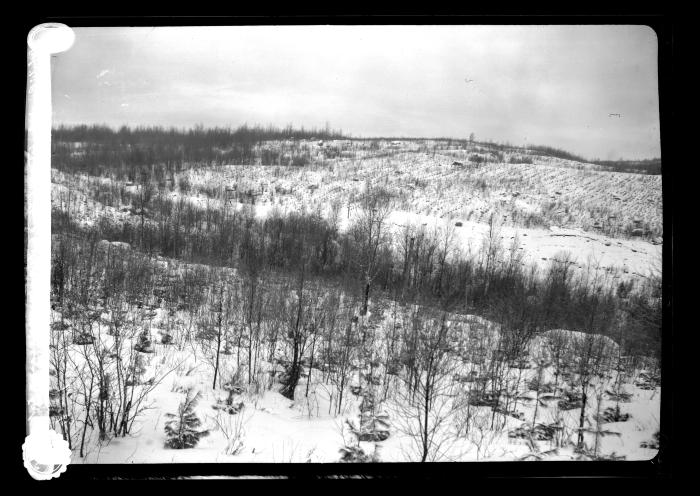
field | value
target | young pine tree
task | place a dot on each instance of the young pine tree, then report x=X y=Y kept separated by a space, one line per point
x=182 y=429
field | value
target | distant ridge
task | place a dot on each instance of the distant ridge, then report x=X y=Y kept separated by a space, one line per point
x=202 y=137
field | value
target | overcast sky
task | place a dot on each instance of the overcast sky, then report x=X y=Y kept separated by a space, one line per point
x=551 y=85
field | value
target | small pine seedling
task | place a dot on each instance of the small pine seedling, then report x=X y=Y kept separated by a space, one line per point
x=182 y=429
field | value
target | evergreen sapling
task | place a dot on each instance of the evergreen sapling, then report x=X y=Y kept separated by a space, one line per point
x=182 y=429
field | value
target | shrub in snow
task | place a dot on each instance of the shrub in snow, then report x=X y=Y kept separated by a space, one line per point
x=613 y=414
x=486 y=398
x=620 y=396
x=83 y=338
x=59 y=326
x=541 y=432
x=373 y=436
x=228 y=348
x=393 y=367
x=233 y=430
x=144 y=344
x=104 y=383
x=230 y=408
x=572 y=400
x=355 y=454
x=510 y=413
x=538 y=456
x=233 y=386
x=367 y=404
x=233 y=389
x=135 y=371
x=56 y=411
x=647 y=381
x=535 y=384
x=373 y=379
x=469 y=377
x=373 y=427
x=653 y=443
x=356 y=390
x=182 y=429
x=587 y=454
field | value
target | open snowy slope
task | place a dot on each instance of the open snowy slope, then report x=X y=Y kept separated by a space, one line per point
x=619 y=258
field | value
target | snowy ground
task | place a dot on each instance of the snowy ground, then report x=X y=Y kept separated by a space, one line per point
x=273 y=429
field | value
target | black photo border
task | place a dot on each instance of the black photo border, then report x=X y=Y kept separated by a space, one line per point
x=658 y=467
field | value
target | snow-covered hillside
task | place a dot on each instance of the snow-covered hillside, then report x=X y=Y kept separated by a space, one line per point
x=317 y=330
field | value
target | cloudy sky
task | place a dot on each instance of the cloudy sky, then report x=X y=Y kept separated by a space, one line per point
x=551 y=85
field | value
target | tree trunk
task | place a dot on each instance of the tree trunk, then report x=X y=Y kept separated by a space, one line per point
x=582 y=417
x=426 y=412
x=311 y=364
x=293 y=378
x=365 y=296
x=87 y=417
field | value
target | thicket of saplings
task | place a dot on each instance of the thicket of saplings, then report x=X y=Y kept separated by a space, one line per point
x=128 y=151
x=307 y=296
